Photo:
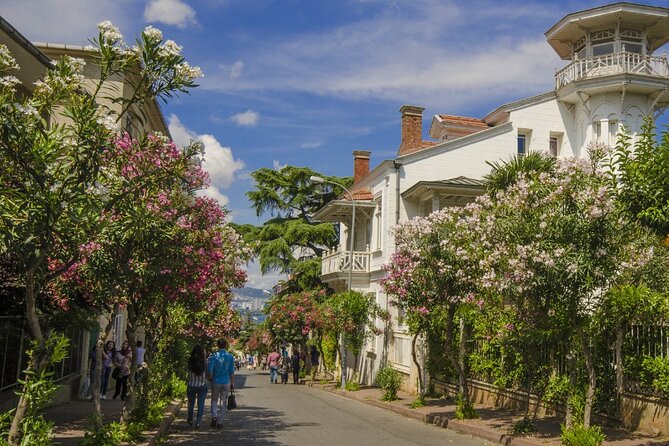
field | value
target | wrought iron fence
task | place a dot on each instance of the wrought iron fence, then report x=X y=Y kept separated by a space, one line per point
x=14 y=342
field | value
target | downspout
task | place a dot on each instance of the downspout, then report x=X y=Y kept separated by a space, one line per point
x=397 y=165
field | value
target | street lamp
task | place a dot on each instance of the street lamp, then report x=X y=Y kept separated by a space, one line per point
x=351 y=233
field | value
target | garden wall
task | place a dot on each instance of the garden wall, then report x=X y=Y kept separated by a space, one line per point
x=646 y=414
x=640 y=413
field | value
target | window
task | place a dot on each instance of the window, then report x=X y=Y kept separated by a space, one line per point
x=597 y=128
x=522 y=143
x=378 y=227
x=631 y=47
x=402 y=347
x=602 y=49
x=613 y=132
x=553 y=146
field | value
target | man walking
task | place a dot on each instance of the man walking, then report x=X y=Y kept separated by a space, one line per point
x=295 y=366
x=273 y=362
x=221 y=369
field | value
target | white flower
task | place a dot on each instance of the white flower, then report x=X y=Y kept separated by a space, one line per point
x=7 y=61
x=170 y=48
x=110 y=33
x=187 y=72
x=77 y=64
x=9 y=81
x=108 y=122
x=28 y=110
x=153 y=34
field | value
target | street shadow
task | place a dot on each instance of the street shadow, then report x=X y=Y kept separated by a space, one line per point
x=244 y=426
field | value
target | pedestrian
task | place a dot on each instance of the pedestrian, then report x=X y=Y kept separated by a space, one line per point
x=221 y=371
x=122 y=360
x=295 y=366
x=273 y=362
x=197 y=384
x=108 y=353
x=249 y=359
x=139 y=363
x=284 y=367
x=315 y=356
x=263 y=362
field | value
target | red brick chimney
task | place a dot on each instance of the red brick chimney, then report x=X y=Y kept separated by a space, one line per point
x=360 y=164
x=412 y=129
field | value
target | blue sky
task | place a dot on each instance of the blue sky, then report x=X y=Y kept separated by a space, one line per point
x=307 y=82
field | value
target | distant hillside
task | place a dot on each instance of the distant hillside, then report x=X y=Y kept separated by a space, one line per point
x=250 y=292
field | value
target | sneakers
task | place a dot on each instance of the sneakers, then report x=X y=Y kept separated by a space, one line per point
x=189 y=421
x=214 y=423
x=103 y=397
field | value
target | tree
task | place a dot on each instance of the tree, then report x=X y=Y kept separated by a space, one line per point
x=560 y=244
x=350 y=316
x=52 y=189
x=432 y=276
x=290 y=237
x=641 y=176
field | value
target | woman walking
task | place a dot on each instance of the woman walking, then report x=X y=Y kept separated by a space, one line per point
x=107 y=356
x=197 y=384
x=122 y=360
x=284 y=367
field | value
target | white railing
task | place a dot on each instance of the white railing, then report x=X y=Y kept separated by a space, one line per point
x=339 y=262
x=610 y=64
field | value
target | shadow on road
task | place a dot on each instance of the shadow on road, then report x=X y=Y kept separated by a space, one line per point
x=245 y=426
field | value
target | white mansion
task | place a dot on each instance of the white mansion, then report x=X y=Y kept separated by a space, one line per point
x=611 y=78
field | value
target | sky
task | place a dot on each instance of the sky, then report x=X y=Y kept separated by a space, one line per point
x=307 y=82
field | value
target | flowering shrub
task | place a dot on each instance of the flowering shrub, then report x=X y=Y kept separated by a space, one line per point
x=293 y=316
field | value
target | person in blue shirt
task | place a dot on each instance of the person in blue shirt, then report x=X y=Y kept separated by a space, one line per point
x=221 y=371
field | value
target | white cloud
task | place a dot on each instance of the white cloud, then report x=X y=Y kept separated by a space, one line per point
x=429 y=52
x=236 y=69
x=219 y=161
x=257 y=280
x=276 y=165
x=170 y=12
x=71 y=21
x=215 y=193
x=311 y=145
x=249 y=118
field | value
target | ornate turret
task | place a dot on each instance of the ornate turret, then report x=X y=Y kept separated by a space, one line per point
x=611 y=51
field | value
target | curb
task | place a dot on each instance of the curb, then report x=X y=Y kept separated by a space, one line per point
x=437 y=420
x=171 y=411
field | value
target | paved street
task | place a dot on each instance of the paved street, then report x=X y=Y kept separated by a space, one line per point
x=299 y=415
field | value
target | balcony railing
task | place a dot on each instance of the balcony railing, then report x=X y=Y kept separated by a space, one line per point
x=610 y=64
x=340 y=261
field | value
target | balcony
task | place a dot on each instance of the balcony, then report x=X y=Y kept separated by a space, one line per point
x=612 y=64
x=339 y=262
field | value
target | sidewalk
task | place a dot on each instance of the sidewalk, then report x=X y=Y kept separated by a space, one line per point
x=493 y=424
x=73 y=418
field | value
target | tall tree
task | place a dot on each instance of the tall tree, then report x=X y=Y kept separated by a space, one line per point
x=52 y=189
x=291 y=235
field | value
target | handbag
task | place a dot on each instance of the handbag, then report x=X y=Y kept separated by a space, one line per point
x=116 y=374
x=232 y=401
x=85 y=390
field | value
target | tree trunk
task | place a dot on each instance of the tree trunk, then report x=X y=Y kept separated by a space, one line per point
x=620 y=372
x=129 y=404
x=97 y=373
x=592 y=377
x=421 y=386
x=569 y=415
x=37 y=363
x=453 y=356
